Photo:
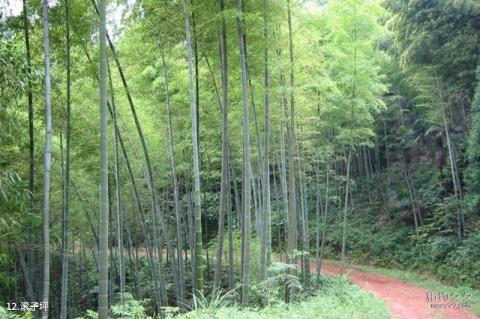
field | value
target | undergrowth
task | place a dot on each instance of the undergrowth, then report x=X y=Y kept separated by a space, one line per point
x=337 y=299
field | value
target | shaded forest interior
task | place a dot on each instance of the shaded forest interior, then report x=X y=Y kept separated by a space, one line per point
x=195 y=151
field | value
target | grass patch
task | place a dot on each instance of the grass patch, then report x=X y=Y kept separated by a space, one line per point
x=423 y=281
x=337 y=299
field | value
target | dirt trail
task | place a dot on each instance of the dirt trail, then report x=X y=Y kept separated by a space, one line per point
x=404 y=300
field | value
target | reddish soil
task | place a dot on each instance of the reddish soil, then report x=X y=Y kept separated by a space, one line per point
x=404 y=301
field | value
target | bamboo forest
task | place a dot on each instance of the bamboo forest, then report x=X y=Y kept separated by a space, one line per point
x=240 y=159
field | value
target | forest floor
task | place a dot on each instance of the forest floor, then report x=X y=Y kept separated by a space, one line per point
x=404 y=300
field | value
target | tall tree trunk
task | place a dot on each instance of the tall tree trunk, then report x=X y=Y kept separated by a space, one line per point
x=207 y=256
x=275 y=168
x=118 y=208
x=132 y=262
x=453 y=165
x=104 y=207
x=265 y=253
x=231 y=171
x=157 y=214
x=159 y=298
x=225 y=179
x=196 y=156
x=367 y=172
x=197 y=79
x=176 y=194
x=324 y=221
x=236 y=195
x=148 y=240
x=317 y=227
x=256 y=214
x=112 y=271
x=283 y=164
x=292 y=216
x=230 y=238
x=47 y=160
x=345 y=211
x=191 y=237
x=304 y=213
x=23 y=265
x=66 y=213
x=319 y=209
x=155 y=242
x=31 y=180
x=349 y=158
x=71 y=305
x=246 y=159
x=413 y=201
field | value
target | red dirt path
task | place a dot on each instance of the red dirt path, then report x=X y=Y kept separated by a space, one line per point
x=404 y=300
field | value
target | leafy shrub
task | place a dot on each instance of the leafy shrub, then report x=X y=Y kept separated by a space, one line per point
x=273 y=289
x=130 y=309
x=216 y=299
x=4 y=314
x=463 y=264
x=338 y=299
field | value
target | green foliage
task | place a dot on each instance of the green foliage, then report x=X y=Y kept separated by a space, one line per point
x=130 y=309
x=273 y=289
x=365 y=79
x=427 y=31
x=90 y=314
x=472 y=173
x=279 y=267
x=432 y=251
x=5 y=314
x=297 y=253
x=13 y=218
x=215 y=300
x=353 y=64
x=462 y=263
x=254 y=254
x=13 y=72
x=337 y=299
